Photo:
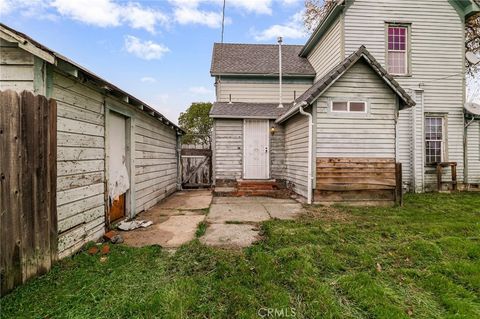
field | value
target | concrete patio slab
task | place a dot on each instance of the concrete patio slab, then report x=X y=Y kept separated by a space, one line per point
x=284 y=210
x=230 y=235
x=188 y=200
x=243 y=212
x=175 y=220
x=172 y=233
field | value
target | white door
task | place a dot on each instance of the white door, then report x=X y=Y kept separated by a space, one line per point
x=256 y=149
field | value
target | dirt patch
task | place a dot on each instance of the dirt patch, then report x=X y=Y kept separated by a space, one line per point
x=329 y=214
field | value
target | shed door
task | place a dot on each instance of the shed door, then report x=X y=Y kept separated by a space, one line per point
x=118 y=176
x=256 y=149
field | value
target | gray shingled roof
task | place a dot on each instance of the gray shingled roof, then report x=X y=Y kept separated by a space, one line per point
x=233 y=58
x=247 y=110
x=321 y=85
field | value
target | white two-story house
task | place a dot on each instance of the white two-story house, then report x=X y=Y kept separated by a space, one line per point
x=377 y=83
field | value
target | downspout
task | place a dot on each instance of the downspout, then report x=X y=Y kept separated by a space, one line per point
x=310 y=151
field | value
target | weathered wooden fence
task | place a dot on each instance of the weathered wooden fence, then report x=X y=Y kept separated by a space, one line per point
x=28 y=222
x=196 y=168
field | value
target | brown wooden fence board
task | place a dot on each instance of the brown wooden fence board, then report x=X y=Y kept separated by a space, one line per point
x=28 y=226
x=359 y=180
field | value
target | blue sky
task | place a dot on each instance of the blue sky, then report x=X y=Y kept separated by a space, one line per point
x=158 y=51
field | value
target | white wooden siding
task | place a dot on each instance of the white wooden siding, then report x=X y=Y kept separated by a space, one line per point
x=435 y=27
x=328 y=52
x=16 y=68
x=260 y=91
x=277 y=152
x=228 y=149
x=80 y=161
x=473 y=152
x=357 y=135
x=155 y=161
x=296 y=153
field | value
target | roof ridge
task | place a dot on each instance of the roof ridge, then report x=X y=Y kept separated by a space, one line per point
x=257 y=44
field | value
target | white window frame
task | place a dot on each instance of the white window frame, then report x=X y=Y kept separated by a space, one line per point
x=406 y=51
x=442 y=140
x=348 y=107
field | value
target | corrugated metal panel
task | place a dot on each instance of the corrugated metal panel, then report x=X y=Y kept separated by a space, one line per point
x=296 y=153
x=329 y=50
x=228 y=151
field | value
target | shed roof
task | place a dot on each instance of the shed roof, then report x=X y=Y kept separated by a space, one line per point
x=258 y=59
x=247 y=110
x=324 y=83
x=38 y=49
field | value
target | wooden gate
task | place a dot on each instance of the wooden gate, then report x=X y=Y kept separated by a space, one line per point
x=196 y=168
x=28 y=174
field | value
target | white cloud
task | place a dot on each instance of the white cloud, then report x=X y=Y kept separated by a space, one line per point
x=107 y=13
x=253 y=6
x=188 y=12
x=27 y=8
x=293 y=29
x=147 y=50
x=187 y=15
x=200 y=90
x=148 y=79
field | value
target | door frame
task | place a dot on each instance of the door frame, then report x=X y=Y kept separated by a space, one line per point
x=244 y=149
x=130 y=158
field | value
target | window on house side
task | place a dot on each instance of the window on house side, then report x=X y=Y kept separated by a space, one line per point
x=348 y=106
x=397 y=56
x=433 y=139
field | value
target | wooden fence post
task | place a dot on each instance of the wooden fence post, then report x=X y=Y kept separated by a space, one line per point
x=399 y=186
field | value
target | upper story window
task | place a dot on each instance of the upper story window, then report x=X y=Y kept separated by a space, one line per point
x=397 y=53
x=349 y=106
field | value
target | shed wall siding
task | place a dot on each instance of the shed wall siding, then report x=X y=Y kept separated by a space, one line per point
x=228 y=149
x=260 y=91
x=329 y=50
x=80 y=163
x=370 y=135
x=155 y=161
x=296 y=153
x=16 y=68
x=473 y=152
x=277 y=152
x=440 y=75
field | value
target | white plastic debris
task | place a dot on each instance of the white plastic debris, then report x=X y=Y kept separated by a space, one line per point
x=134 y=224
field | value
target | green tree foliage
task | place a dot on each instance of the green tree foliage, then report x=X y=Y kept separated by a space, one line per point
x=197 y=124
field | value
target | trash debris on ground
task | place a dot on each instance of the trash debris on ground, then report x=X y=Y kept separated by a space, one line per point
x=117 y=239
x=113 y=237
x=109 y=235
x=93 y=250
x=105 y=249
x=134 y=224
x=103 y=259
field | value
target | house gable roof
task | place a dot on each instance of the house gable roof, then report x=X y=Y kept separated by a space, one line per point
x=247 y=110
x=258 y=59
x=28 y=44
x=319 y=87
x=464 y=7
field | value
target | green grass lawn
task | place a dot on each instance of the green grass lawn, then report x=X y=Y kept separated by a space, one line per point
x=421 y=261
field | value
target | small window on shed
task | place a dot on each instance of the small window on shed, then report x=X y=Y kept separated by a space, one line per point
x=349 y=106
x=340 y=106
x=357 y=107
